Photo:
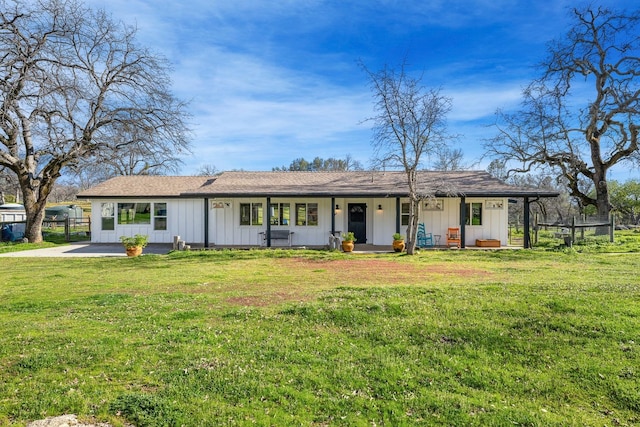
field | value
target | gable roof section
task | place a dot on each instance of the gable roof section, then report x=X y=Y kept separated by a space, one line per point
x=312 y=184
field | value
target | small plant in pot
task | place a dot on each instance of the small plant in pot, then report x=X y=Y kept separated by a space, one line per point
x=347 y=241
x=398 y=242
x=134 y=244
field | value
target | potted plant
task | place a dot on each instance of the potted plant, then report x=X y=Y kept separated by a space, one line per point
x=398 y=242
x=347 y=241
x=134 y=244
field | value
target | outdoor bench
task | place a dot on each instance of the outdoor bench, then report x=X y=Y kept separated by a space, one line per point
x=276 y=235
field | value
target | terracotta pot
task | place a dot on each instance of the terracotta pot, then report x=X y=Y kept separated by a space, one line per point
x=347 y=246
x=134 y=251
x=398 y=245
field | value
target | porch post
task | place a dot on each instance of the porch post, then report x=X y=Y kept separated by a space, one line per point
x=206 y=222
x=333 y=216
x=398 y=214
x=268 y=219
x=463 y=221
x=527 y=220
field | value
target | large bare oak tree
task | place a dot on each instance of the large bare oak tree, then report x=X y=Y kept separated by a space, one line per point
x=409 y=123
x=582 y=116
x=72 y=79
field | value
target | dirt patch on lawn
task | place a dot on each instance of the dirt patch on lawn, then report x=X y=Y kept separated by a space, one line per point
x=384 y=270
x=354 y=272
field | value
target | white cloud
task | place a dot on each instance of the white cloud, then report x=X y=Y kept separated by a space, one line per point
x=476 y=103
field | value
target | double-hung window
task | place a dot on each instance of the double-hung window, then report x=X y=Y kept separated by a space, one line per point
x=107 y=213
x=160 y=216
x=251 y=213
x=404 y=214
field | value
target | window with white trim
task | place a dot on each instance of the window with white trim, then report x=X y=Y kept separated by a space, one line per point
x=160 y=216
x=108 y=213
x=404 y=214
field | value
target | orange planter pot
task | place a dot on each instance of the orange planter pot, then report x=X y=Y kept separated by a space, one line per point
x=135 y=251
x=347 y=246
x=398 y=245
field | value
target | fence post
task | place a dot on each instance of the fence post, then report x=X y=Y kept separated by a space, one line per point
x=535 y=228
x=573 y=230
x=67 y=233
x=611 y=227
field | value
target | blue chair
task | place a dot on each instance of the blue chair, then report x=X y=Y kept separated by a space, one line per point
x=424 y=239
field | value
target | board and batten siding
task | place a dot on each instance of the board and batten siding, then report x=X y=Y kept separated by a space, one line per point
x=185 y=218
x=494 y=221
x=225 y=228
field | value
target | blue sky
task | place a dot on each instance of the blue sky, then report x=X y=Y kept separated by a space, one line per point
x=271 y=81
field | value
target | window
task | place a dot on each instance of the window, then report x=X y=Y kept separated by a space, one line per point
x=473 y=213
x=159 y=216
x=280 y=213
x=250 y=213
x=404 y=214
x=134 y=213
x=108 y=216
x=306 y=214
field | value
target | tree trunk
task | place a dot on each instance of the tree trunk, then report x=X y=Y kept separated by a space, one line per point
x=34 y=211
x=34 y=198
x=412 y=229
x=603 y=204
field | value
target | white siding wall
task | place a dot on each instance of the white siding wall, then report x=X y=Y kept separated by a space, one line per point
x=225 y=228
x=185 y=218
x=494 y=221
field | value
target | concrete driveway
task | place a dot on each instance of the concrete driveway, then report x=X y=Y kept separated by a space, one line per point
x=84 y=249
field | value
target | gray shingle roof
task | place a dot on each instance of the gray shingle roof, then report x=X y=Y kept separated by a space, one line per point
x=145 y=186
x=312 y=184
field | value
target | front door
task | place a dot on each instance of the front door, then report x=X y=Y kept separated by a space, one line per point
x=358 y=221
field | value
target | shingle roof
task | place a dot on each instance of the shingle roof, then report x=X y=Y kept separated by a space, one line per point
x=312 y=184
x=145 y=186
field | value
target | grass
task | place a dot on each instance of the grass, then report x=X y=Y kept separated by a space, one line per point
x=534 y=338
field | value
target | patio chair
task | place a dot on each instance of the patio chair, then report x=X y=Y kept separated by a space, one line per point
x=423 y=239
x=453 y=236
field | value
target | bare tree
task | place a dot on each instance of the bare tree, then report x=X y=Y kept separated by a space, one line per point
x=320 y=164
x=208 y=170
x=70 y=79
x=410 y=123
x=448 y=159
x=599 y=55
x=134 y=151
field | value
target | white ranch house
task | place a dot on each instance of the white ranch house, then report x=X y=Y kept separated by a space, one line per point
x=245 y=209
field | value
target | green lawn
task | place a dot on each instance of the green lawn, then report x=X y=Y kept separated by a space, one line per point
x=504 y=338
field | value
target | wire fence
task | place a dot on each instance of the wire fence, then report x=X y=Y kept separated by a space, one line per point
x=67 y=229
x=576 y=229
